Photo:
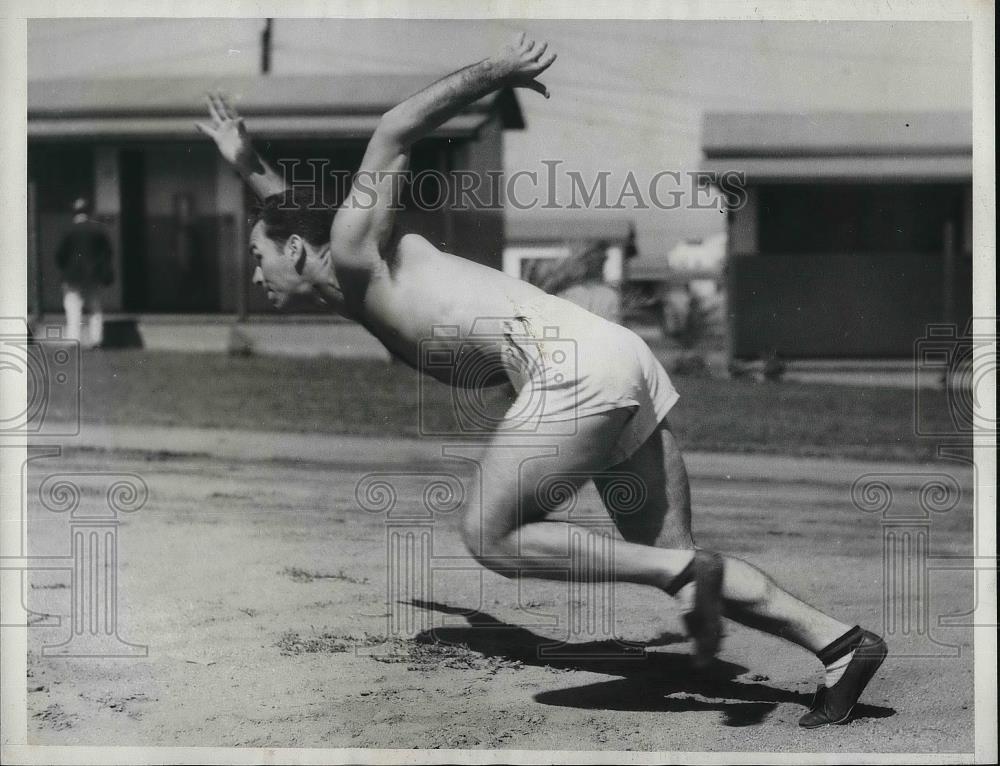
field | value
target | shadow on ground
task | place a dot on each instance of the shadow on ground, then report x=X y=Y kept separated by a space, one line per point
x=665 y=682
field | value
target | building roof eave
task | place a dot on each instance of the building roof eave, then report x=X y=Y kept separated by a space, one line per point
x=914 y=169
x=769 y=134
x=275 y=105
x=537 y=230
x=347 y=127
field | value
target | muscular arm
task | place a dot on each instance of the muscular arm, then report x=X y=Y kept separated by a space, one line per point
x=230 y=135
x=364 y=222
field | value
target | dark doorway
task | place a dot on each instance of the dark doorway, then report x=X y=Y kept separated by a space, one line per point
x=59 y=174
x=133 y=227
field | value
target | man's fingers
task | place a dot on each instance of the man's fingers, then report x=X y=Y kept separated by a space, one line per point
x=213 y=110
x=220 y=105
x=227 y=108
x=545 y=61
x=203 y=128
x=539 y=51
x=221 y=110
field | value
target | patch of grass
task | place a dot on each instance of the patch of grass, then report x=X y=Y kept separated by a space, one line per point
x=303 y=575
x=420 y=654
x=324 y=642
x=376 y=398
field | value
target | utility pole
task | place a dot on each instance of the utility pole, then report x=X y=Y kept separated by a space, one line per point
x=265 y=47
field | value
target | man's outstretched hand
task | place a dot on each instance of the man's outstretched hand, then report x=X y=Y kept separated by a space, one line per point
x=229 y=133
x=522 y=61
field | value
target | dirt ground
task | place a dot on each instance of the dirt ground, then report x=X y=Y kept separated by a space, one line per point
x=260 y=588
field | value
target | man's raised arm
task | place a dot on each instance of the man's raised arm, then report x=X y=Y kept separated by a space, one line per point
x=516 y=65
x=231 y=137
x=364 y=222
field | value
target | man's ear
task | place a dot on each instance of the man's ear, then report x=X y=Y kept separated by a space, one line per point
x=296 y=248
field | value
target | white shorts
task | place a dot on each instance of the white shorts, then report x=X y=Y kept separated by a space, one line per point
x=566 y=363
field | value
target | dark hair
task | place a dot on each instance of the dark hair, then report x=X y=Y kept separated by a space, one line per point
x=297 y=211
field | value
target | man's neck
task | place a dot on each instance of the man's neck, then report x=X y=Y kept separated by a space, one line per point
x=80 y=218
x=327 y=286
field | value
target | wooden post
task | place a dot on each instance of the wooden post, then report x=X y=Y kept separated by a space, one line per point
x=34 y=256
x=231 y=203
x=742 y=240
x=242 y=262
x=447 y=168
x=107 y=208
x=948 y=275
x=265 y=47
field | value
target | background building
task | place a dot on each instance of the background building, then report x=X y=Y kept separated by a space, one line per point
x=179 y=215
x=856 y=232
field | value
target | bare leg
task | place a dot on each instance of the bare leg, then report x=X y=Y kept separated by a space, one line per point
x=664 y=518
x=755 y=600
x=677 y=528
x=511 y=535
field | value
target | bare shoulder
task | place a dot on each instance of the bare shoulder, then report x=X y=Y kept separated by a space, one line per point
x=411 y=241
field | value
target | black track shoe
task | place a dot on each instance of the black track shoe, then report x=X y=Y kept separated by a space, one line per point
x=833 y=704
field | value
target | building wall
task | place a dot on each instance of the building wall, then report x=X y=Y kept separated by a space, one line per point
x=107 y=208
x=479 y=234
x=234 y=261
x=859 y=270
x=182 y=262
x=856 y=218
x=742 y=234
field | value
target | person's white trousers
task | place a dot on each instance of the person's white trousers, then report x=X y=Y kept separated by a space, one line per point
x=75 y=301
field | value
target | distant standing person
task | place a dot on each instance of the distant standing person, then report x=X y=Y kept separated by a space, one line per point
x=84 y=258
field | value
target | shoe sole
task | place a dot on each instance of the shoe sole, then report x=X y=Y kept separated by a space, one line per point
x=866 y=679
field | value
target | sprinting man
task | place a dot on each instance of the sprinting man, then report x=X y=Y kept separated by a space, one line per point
x=615 y=394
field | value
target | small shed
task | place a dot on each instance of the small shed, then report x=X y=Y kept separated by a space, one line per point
x=854 y=233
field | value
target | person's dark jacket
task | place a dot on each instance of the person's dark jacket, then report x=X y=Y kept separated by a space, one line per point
x=84 y=256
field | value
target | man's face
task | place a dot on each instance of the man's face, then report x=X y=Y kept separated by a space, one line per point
x=275 y=268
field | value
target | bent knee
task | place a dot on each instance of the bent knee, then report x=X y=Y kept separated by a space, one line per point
x=478 y=538
x=490 y=548
x=471 y=531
